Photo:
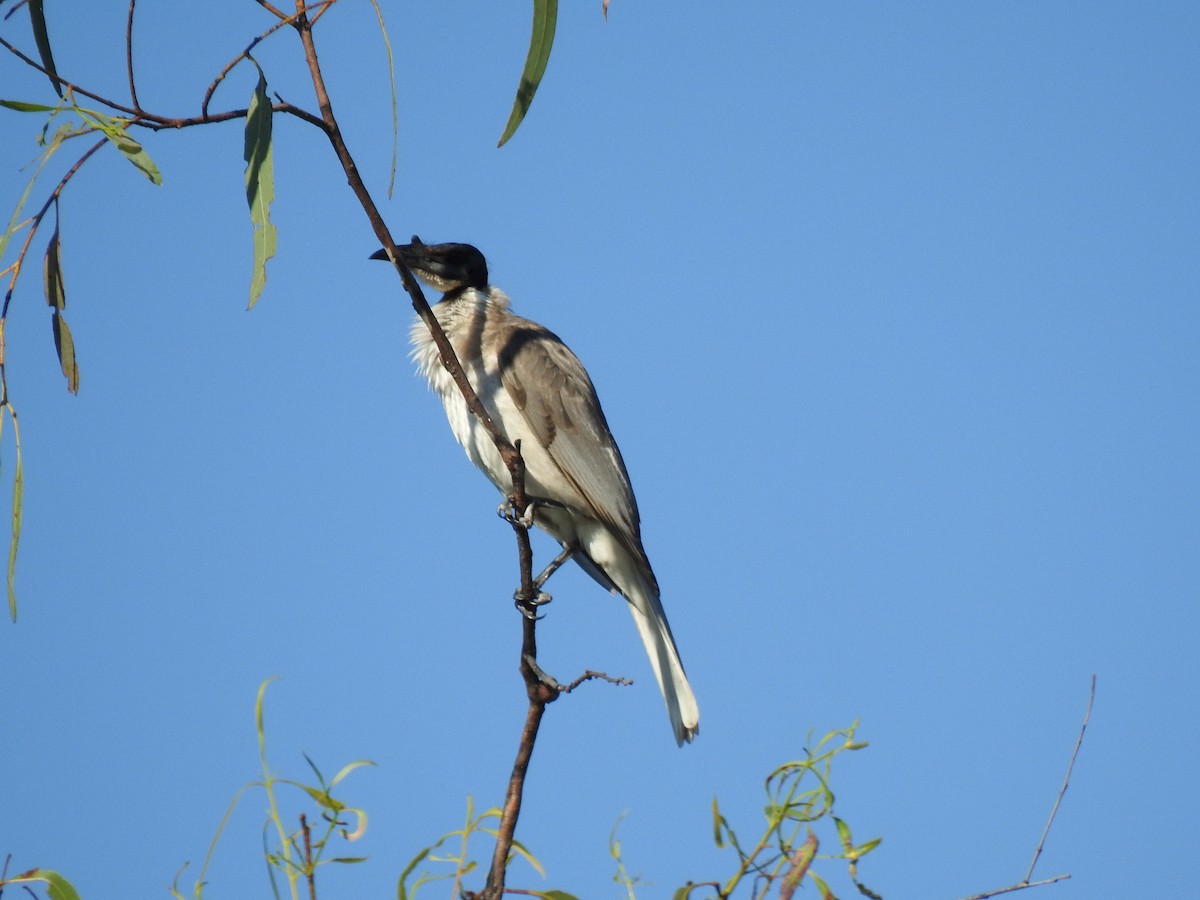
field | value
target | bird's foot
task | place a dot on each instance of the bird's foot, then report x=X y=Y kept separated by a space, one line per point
x=508 y=512
x=529 y=605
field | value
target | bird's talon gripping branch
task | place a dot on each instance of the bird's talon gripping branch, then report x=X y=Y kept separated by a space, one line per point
x=529 y=605
x=508 y=512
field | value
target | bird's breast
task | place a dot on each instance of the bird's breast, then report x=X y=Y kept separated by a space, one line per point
x=469 y=322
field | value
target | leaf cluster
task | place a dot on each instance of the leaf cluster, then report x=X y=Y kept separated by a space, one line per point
x=799 y=797
x=295 y=853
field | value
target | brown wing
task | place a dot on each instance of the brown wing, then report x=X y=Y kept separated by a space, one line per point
x=548 y=383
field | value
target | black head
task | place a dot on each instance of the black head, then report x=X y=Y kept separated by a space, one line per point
x=444 y=267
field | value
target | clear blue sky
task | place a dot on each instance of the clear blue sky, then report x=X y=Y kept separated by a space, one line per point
x=894 y=310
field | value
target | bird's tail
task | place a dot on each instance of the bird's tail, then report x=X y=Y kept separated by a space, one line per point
x=656 y=636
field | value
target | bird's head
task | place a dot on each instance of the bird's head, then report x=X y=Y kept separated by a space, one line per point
x=444 y=267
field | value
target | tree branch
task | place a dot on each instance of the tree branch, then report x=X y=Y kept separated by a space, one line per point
x=156 y=122
x=1087 y=715
x=1017 y=887
x=539 y=693
x=1026 y=883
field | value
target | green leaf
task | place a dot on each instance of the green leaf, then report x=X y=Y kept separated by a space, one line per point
x=135 y=154
x=18 y=500
x=52 y=274
x=826 y=893
x=260 y=183
x=349 y=859
x=520 y=850
x=57 y=887
x=65 y=346
x=14 y=223
x=545 y=17
x=682 y=893
x=38 y=19
x=556 y=895
x=863 y=849
x=401 y=890
x=22 y=106
x=843 y=831
x=321 y=797
x=387 y=45
x=718 y=822
x=348 y=768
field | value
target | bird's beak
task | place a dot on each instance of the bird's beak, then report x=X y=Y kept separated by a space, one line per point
x=412 y=253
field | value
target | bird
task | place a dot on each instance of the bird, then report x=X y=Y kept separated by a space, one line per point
x=537 y=392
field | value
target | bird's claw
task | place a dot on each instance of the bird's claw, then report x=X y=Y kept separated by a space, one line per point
x=529 y=605
x=508 y=512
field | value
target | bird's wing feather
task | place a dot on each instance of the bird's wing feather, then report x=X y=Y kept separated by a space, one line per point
x=548 y=383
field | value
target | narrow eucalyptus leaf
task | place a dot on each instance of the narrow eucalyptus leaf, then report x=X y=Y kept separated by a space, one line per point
x=37 y=18
x=863 y=849
x=844 y=835
x=718 y=824
x=22 y=106
x=826 y=893
x=52 y=274
x=387 y=45
x=133 y=152
x=260 y=184
x=65 y=346
x=545 y=18
x=18 y=499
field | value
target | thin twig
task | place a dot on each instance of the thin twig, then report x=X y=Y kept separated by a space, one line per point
x=129 y=55
x=589 y=675
x=156 y=122
x=310 y=871
x=36 y=220
x=267 y=6
x=284 y=20
x=1016 y=887
x=1066 y=779
x=1026 y=883
x=511 y=811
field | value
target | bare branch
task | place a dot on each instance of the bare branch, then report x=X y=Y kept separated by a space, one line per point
x=267 y=6
x=156 y=122
x=589 y=675
x=1016 y=887
x=284 y=20
x=1066 y=779
x=1026 y=883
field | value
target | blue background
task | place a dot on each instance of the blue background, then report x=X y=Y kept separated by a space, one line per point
x=893 y=309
